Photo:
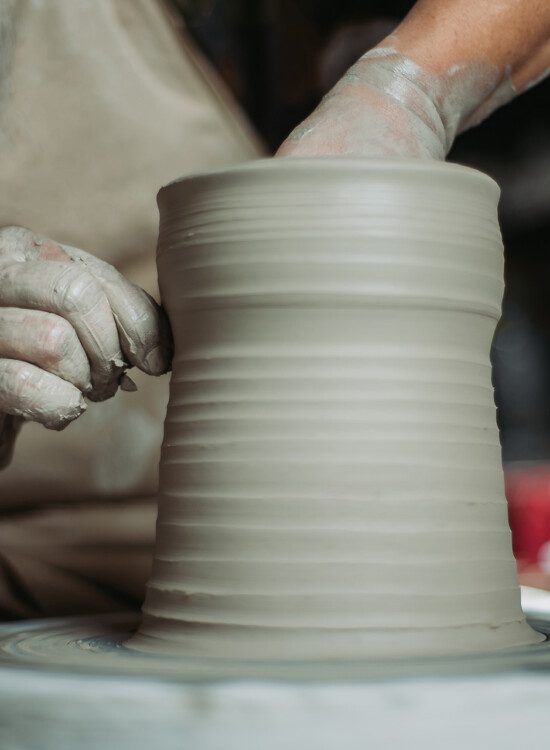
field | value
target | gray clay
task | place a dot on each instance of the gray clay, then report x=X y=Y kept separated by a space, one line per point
x=331 y=482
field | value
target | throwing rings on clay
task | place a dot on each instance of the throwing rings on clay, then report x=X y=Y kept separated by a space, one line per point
x=333 y=563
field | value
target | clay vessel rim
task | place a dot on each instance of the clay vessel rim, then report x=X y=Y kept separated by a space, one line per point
x=351 y=164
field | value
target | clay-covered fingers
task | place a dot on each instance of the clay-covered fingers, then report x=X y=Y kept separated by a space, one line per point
x=143 y=328
x=32 y=393
x=115 y=322
x=47 y=341
x=18 y=244
x=70 y=291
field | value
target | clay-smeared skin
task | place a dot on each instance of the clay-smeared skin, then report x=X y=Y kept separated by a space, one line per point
x=70 y=324
x=447 y=66
x=388 y=105
x=331 y=484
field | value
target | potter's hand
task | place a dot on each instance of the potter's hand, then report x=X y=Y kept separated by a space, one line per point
x=70 y=325
x=380 y=108
x=446 y=67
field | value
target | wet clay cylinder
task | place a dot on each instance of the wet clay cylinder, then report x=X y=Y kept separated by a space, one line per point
x=331 y=482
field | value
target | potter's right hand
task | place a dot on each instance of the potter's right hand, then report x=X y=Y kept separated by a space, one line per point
x=383 y=106
x=429 y=80
x=70 y=325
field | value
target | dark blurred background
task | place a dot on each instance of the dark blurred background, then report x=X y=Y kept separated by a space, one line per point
x=280 y=56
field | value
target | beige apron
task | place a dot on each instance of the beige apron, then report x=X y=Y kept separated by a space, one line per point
x=107 y=101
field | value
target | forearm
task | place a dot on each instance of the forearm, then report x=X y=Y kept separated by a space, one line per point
x=481 y=54
x=511 y=36
x=446 y=67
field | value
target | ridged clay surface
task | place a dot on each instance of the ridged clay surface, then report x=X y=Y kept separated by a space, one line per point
x=331 y=482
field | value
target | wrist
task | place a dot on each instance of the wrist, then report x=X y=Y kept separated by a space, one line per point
x=415 y=91
x=448 y=99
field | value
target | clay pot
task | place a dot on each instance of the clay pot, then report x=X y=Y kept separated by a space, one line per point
x=331 y=483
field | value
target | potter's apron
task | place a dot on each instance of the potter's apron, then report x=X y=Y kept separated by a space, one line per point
x=106 y=101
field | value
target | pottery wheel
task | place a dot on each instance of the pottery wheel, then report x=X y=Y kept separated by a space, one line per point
x=398 y=321
x=68 y=679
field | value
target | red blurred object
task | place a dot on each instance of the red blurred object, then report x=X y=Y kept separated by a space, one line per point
x=528 y=493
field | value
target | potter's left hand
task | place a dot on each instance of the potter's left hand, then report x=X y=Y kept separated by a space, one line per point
x=70 y=326
x=446 y=67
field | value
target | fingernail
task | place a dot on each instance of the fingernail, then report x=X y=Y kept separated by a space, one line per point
x=64 y=419
x=155 y=361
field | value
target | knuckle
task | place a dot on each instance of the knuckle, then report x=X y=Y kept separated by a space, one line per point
x=26 y=245
x=13 y=241
x=76 y=290
x=22 y=379
x=13 y=231
x=57 y=338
